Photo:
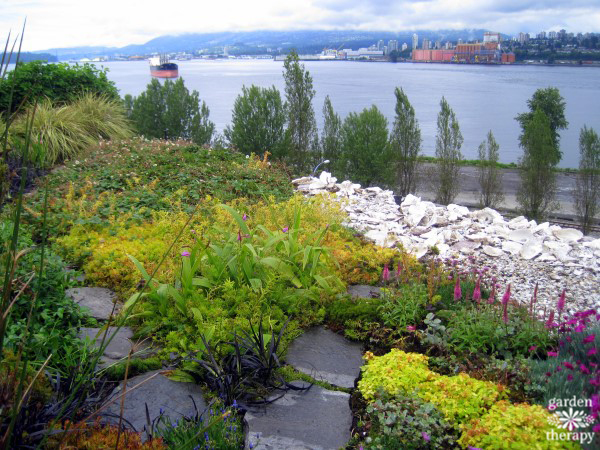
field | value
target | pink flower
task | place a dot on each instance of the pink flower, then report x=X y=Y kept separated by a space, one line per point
x=584 y=369
x=492 y=297
x=592 y=351
x=550 y=321
x=411 y=328
x=239 y=238
x=457 y=291
x=589 y=338
x=568 y=365
x=579 y=328
x=477 y=291
x=399 y=269
x=426 y=437
x=386 y=273
x=552 y=353
x=185 y=253
x=569 y=377
x=285 y=229
x=596 y=428
x=595 y=381
x=244 y=217
x=533 y=348
x=506 y=296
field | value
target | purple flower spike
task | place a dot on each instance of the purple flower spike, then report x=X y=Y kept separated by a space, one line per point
x=457 y=291
x=477 y=291
x=185 y=253
x=386 y=273
x=506 y=296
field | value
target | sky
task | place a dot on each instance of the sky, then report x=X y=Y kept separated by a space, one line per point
x=116 y=23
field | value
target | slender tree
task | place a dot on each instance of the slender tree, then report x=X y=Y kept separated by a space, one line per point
x=449 y=140
x=365 y=147
x=257 y=123
x=405 y=144
x=331 y=137
x=587 y=187
x=490 y=177
x=300 y=116
x=537 y=193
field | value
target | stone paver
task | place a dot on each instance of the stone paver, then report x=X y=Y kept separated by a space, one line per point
x=120 y=345
x=364 y=291
x=98 y=301
x=158 y=393
x=326 y=356
x=316 y=419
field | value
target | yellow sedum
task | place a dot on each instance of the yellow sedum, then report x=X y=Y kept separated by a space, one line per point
x=520 y=427
x=460 y=398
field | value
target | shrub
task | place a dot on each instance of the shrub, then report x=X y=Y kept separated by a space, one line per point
x=169 y=111
x=519 y=426
x=59 y=83
x=407 y=423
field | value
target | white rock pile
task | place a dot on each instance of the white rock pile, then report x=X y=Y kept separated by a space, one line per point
x=522 y=252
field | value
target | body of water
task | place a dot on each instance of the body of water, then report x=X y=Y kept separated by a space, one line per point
x=483 y=97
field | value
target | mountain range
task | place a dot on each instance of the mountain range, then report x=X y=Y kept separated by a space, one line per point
x=254 y=42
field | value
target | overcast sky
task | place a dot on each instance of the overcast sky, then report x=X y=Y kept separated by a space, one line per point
x=70 y=23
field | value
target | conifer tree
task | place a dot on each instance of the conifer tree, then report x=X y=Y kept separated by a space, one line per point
x=331 y=141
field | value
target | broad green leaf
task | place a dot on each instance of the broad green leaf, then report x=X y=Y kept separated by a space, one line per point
x=240 y=221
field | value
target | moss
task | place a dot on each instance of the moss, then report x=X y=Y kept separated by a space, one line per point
x=136 y=366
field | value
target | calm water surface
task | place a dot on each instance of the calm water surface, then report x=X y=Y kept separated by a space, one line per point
x=483 y=97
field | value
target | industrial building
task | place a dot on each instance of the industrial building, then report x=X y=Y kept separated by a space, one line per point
x=487 y=52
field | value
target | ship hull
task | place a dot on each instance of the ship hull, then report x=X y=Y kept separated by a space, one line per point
x=169 y=70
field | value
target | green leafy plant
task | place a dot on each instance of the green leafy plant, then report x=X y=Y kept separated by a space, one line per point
x=404 y=306
x=216 y=427
x=407 y=423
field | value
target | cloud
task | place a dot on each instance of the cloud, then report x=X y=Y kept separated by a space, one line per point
x=61 y=23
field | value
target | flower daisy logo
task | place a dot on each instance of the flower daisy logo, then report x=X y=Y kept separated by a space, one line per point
x=570 y=419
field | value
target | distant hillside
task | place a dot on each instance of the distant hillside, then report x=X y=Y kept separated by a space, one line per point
x=27 y=56
x=260 y=41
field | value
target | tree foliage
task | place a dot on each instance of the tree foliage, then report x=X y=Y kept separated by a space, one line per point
x=365 y=147
x=405 y=144
x=537 y=193
x=257 y=123
x=169 y=111
x=448 y=142
x=552 y=104
x=587 y=187
x=331 y=137
x=490 y=176
x=60 y=83
x=301 y=123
